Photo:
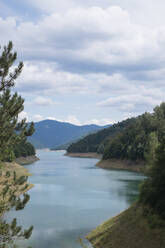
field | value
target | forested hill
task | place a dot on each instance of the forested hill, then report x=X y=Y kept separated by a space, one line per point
x=133 y=139
x=51 y=133
x=98 y=141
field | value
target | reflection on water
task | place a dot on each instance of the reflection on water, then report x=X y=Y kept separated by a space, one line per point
x=71 y=197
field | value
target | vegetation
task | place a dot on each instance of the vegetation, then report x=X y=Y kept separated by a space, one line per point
x=24 y=149
x=143 y=224
x=133 y=142
x=153 y=189
x=12 y=132
x=141 y=138
x=98 y=141
x=133 y=139
x=12 y=184
x=13 y=135
x=130 y=229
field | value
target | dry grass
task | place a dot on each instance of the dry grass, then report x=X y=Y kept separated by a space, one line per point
x=20 y=171
x=130 y=229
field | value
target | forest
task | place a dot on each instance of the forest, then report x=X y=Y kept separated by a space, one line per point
x=133 y=139
x=97 y=142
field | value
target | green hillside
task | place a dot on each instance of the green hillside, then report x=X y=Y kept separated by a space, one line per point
x=98 y=141
x=133 y=139
x=130 y=229
x=143 y=224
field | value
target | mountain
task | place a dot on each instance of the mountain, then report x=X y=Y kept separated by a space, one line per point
x=51 y=133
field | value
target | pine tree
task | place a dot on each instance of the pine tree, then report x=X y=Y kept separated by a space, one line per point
x=12 y=132
x=10 y=186
x=7 y=59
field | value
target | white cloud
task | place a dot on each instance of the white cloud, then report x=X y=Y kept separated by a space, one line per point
x=43 y=101
x=131 y=103
x=148 y=12
x=105 y=36
x=51 y=6
x=43 y=79
x=92 y=48
x=23 y=115
x=37 y=118
x=74 y=120
x=124 y=95
x=70 y=119
x=100 y=122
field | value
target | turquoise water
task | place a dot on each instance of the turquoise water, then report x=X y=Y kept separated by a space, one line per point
x=71 y=197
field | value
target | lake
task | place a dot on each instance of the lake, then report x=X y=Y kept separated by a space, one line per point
x=71 y=197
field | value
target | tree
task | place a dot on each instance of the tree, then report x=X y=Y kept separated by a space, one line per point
x=12 y=132
x=10 y=187
x=150 y=154
x=153 y=189
x=7 y=59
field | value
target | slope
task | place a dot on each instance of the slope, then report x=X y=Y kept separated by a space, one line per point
x=130 y=229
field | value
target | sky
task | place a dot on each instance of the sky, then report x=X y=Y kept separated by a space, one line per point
x=87 y=61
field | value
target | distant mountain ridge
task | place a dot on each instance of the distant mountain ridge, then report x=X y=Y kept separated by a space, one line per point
x=51 y=133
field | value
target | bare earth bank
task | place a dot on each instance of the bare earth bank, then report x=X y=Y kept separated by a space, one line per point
x=117 y=164
x=85 y=155
x=137 y=166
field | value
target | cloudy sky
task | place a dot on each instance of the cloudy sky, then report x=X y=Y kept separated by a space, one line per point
x=87 y=61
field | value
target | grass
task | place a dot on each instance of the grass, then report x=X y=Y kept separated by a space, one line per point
x=20 y=170
x=130 y=229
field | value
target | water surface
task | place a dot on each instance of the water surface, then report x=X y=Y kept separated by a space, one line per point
x=71 y=197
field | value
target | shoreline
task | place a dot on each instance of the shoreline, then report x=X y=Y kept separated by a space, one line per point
x=111 y=164
x=26 y=160
x=84 y=155
x=117 y=164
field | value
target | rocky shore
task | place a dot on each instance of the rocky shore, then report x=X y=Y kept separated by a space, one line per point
x=26 y=160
